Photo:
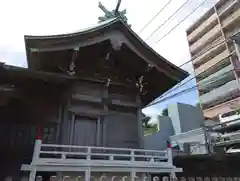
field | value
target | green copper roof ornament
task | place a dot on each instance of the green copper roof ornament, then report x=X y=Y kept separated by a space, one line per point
x=112 y=14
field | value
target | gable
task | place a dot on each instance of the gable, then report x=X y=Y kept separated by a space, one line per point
x=114 y=37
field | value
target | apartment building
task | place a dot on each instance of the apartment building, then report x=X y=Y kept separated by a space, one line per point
x=214 y=56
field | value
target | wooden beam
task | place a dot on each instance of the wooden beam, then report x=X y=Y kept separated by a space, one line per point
x=95 y=99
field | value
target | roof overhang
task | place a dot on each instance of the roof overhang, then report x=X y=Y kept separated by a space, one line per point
x=119 y=34
x=115 y=30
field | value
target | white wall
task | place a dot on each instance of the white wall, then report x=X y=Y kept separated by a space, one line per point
x=158 y=140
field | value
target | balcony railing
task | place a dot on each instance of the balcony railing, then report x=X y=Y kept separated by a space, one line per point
x=211 y=62
x=231 y=18
x=202 y=27
x=70 y=158
x=214 y=79
x=221 y=92
x=207 y=39
x=226 y=8
x=204 y=57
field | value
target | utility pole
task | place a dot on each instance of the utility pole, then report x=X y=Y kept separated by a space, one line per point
x=207 y=139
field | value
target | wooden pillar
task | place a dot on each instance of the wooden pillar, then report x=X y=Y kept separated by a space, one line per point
x=139 y=118
x=59 y=122
x=99 y=132
x=104 y=125
x=72 y=129
x=62 y=133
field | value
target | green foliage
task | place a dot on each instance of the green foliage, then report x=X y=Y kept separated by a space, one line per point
x=148 y=128
x=165 y=112
x=198 y=105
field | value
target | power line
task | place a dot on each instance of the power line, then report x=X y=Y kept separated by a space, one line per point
x=189 y=89
x=182 y=20
x=185 y=91
x=204 y=51
x=201 y=53
x=190 y=61
x=167 y=20
x=156 y=15
x=189 y=79
x=171 y=90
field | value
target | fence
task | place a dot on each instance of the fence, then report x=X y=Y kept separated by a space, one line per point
x=126 y=178
x=90 y=160
x=70 y=154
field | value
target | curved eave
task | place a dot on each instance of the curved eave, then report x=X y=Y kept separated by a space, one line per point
x=114 y=24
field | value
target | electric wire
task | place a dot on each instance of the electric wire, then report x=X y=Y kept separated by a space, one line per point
x=202 y=52
x=169 y=18
x=179 y=93
x=182 y=84
x=156 y=15
x=192 y=88
x=193 y=11
x=178 y=25
x=191 y=60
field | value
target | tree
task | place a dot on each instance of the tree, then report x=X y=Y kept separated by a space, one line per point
x=198 y=105
x=145 y=120
x=165 y=112
x=148 y=128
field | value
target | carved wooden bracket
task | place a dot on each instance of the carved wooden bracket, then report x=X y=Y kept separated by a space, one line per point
x=116 y=43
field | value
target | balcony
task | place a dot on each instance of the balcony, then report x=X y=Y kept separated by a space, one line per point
x=217 y=46
x=207 y=23
x=72 y=158
x=219 y=93
x=211 y=62
x=222 y=108
x=231 y=18
x=227 y=7
x=215 y=79
x=208 y=38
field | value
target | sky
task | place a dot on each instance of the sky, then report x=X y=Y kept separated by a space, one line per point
x=46 y=17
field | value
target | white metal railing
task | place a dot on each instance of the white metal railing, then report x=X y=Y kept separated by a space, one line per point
x=49 y=152
x=60 y=158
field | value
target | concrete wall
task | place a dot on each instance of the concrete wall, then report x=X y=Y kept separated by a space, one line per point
x=157 y=141
x=185 y=117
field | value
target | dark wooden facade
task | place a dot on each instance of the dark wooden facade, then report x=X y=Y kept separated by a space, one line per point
x=86 y=88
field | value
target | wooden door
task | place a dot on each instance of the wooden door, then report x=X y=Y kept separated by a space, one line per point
x=85 y=131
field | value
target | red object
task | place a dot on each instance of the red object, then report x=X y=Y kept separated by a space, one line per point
x=169 y=144
x=39 y=133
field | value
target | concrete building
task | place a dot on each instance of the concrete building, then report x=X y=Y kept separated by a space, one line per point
x=182 y=126
x=185 y=117
x=158 y=140
x=215 y=59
